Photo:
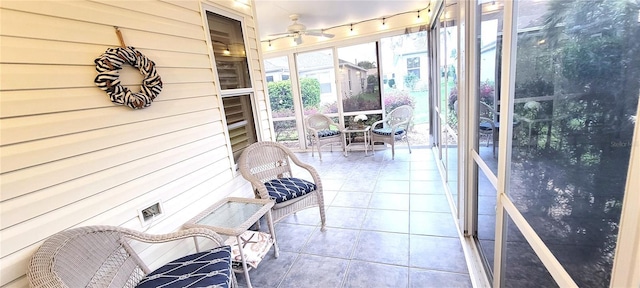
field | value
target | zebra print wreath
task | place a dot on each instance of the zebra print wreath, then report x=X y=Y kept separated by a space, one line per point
x=108 y=66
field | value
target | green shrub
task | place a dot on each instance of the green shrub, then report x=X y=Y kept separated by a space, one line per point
x=280 y=96
x=410 y=81
x=396 y=98
x=310 y=88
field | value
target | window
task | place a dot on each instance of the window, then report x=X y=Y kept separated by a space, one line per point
x=325 y=87
x=237 y=110
x=316 y=74
x=281 y=102
x=269 y=78
x=413 y=66
x=229 y=53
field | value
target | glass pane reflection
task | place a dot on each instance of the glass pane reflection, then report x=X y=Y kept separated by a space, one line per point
x=523 y=267
x=487 y=104
x=486 y=217
x=575 y=94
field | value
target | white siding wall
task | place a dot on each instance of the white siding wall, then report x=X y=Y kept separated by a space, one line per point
x=69 y=157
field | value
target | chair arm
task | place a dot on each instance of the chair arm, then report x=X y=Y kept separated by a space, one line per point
x=340 y=127
x=485 y=119
x=259 y=185
x=312 y=131
x=314 y=174
x=373 y=126
x=311 y=169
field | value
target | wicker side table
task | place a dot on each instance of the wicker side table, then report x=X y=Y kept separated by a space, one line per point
x=233 y=216
x=366 y=133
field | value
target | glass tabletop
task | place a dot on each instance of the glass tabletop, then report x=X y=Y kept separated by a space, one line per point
x=352 y=129
x=230 y=214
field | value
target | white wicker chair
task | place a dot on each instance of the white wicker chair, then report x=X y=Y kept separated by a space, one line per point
x=321 y=131
x=394 y=127
x=268 y=166
x=100 y=256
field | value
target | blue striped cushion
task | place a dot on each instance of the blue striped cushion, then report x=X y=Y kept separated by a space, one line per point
x=327 y=133
x=205 y=269
x=484 y=126
x=387 y=131
x=284 y=189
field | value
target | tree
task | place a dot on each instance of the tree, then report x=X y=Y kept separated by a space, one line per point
x=280 y=95
x=367 y=64
x=310 y=88
x=372 y=84
x=281 y=99
x=411 y=80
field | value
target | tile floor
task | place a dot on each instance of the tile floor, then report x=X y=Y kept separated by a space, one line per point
x=388 y=225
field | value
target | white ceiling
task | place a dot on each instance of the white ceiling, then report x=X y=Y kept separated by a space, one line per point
x=273 y=15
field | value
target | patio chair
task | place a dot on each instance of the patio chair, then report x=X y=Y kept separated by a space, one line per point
x=393 y=128
x=321 y=130
x=489 y=125
x=101 y=256
x=268 y=166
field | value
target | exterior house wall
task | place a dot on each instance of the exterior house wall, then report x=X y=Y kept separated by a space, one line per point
x=358 y=79
x=72 y=158
x=403 y=70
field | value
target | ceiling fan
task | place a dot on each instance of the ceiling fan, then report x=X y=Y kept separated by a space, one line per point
x=296 y=30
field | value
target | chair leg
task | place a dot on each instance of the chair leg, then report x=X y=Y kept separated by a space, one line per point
x=408 y=145
x=494 y=149
x=393 y=150
x=323 y=221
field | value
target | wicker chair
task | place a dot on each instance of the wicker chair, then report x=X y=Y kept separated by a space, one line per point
x=100 y=256
x=321 y=130
x=394 y=127
x=268 y=166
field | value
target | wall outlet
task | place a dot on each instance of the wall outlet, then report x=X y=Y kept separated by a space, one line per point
x=150 y=213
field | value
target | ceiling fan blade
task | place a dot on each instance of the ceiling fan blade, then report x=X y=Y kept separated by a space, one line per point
x=318 y=33
x=281 y=34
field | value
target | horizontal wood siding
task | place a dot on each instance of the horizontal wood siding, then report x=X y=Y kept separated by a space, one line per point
x=72 y=158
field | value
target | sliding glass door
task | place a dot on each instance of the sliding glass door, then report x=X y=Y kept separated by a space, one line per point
x=405 y=79
x=360 y=82
x=485 y=144
x=444 y=96
x=282 y=101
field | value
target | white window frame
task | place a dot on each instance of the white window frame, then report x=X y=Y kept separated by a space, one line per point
x=232 y=92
